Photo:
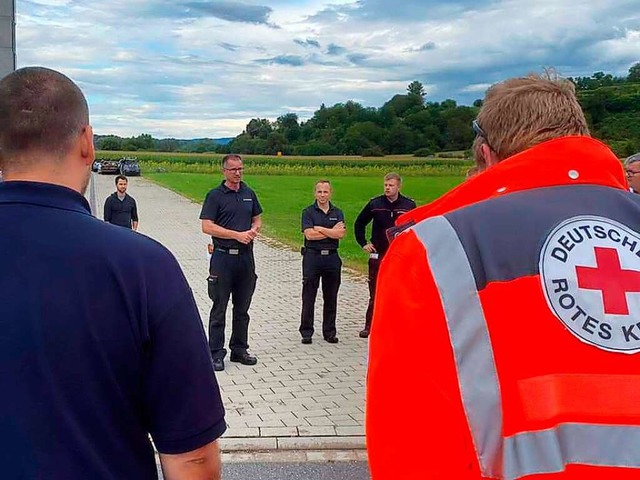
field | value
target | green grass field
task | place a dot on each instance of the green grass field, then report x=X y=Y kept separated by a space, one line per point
x=284 y=197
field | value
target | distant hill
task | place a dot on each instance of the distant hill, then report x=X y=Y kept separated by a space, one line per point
x=147 y=143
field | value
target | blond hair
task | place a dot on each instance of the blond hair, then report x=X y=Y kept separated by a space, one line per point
x=522 y=112
x=393 y=176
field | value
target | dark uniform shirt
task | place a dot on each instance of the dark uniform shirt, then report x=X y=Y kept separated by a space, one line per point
x=313 y=216
x=231 y=210
x=101 y=344
x=120 y=212
x=384 y=214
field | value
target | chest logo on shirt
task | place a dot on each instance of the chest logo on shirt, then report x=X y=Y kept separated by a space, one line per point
x=247 y=199
x=590 y=274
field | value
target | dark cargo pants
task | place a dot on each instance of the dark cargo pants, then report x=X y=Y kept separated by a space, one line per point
x=316 y=267
x=230 y=276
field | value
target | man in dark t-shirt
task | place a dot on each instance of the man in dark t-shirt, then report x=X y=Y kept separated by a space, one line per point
x=120 y=208
x=383 y=211
x=323 y=227
x=231 y=214
x=100 y=348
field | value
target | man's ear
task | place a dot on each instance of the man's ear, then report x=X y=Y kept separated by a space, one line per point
x=87 y=149
x=489 y=155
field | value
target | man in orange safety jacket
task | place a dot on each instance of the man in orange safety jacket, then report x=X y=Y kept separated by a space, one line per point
x=521 y=288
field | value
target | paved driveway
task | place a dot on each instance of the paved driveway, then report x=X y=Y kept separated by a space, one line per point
x=297 y=396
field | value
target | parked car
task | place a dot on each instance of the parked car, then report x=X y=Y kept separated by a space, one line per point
x=109 y=166
x=95 y=167
x=129 y=166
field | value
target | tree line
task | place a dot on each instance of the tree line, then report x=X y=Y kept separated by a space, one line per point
x=406 y=124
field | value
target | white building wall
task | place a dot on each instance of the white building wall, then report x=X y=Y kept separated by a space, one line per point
x=7 y=37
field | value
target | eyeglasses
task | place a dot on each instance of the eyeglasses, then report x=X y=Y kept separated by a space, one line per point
x=234 y=170
x=631 y=173
x=477 y=129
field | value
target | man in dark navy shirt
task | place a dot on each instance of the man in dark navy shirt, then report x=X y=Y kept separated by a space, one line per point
x=383 y=210
x=100 y=347
x=231 y=214
x=120 y=208
x=323 y=227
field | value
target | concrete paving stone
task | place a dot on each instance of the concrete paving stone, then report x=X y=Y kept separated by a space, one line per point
x=235 y=388
x=246 y=444
x=358 y=418
x=344 y=421
x=277 y=396
x=341 y=399
x=293 y=409
x=295 y=422
x=241 y=432
x=350 y=431
x=257 y=410
x=303 y=374
x=262 y=423
x=339 y=390
x=254 y=392
x=278 y=432
x=317 y=443
x=319 y=403
x=288 y=389
x=315 y=431
x=315 y=413
x=319 y=421
x=309 y=393
x=233 y=423
x=344 y=410
x=278 y=416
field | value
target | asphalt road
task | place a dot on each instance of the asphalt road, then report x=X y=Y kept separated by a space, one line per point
x=296 y=471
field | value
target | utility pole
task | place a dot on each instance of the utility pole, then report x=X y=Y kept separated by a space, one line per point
x=7 y=37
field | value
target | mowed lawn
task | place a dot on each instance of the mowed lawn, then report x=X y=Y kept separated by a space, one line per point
x=284 y=197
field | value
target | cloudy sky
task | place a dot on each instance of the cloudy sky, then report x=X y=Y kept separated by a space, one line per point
x=204 y=68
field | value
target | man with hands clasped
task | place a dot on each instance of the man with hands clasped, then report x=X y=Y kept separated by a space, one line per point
x=231 y=214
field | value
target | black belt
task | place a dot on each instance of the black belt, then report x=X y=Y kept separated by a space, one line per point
x=231 y=251
x=324 y=251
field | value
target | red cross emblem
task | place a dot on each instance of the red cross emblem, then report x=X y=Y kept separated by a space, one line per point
x=611 y=279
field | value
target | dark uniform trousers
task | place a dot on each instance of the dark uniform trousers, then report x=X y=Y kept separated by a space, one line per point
x=316 y=267
x=374 y=267
x=230 y=276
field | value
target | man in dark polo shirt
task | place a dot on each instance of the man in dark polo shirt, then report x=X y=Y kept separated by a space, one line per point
x=120 y=208
x=322 y=226
x=383 y=211
x=231 y=215
x=100 y=348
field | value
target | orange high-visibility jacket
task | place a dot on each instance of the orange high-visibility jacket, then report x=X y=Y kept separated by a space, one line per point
x=510 y=350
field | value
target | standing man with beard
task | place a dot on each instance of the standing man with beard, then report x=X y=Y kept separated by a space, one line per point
x=383 y=211
x=120 y=208
x=231 y=214
x=102 y=349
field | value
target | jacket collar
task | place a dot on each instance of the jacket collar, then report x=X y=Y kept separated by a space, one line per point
x=568 y=160
x=43 y=194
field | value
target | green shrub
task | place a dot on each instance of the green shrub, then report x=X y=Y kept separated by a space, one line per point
x=374 y=151
x=423 y=152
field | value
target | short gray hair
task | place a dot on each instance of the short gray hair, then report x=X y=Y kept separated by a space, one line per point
x=632 y=159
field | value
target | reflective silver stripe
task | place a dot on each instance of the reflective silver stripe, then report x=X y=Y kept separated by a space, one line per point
x=526 y=453
x=549 y=451
x=470 y=339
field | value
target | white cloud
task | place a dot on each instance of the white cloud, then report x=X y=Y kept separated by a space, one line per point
x=207 y=73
